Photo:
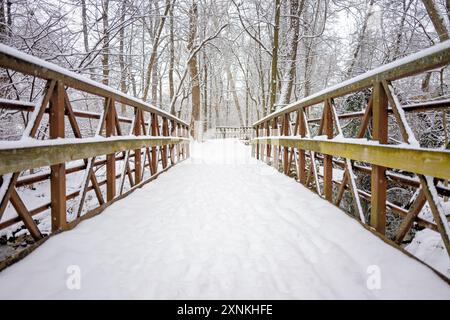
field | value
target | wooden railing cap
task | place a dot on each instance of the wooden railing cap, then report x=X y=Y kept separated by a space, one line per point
x=14 y=59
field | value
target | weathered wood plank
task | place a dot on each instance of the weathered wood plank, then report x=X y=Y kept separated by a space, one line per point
x=57 y=169
x=431 y=58
x=30 y=65
x=429 y=162
x=19 y=159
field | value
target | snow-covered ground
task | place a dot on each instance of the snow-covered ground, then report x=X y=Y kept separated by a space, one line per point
x=220 y=225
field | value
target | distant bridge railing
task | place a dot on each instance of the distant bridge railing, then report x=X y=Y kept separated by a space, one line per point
x=285 y=140
x=124 y=152
x=242 y=132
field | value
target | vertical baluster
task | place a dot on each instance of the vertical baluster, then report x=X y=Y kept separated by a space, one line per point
x=110 y=158
x=286 y=163
x=328 y=159
x=301 y=152
x=137 y=152
x=154 y=124
x=57 y=171
x=257 y=142
x=378 y=178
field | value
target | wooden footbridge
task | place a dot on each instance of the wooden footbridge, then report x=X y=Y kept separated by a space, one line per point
x=132 y=142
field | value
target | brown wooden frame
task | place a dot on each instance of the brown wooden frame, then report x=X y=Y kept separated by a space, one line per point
x=429 y=165
x=132 y=151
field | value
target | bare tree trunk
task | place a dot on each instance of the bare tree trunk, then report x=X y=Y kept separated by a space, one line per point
x=2 y=20
x=123 y=76
x=234 y=93
x=396 y=51
x=261 y=72
x=105 y=60
x=155 y=82
x=193 y=71
x=205 y=96
x=436 y=19
x=171 y=58
x=441 y=30
x=274 y=67
x=247 y=93
x=9 y=17
x=360 y=40
x=153 y=57
x=160 y=90
x=85 y=27
x=295 y=11
x=447 y=6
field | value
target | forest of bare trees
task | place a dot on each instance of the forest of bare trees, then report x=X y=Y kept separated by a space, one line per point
x=222 y=62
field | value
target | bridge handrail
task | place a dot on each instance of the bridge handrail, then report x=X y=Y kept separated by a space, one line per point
x=122 y=154
x=289 y=146
x=14 y=59
x=430 y=58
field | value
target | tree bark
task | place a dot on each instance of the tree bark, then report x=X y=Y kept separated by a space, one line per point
x=296 y=9
x=360 y=40
x=123 y=76
x=2 y=20
x=235 y=96
x=150 y=67
x=274 y=66
x=105 y=59
x=193 y=71
x=85 y=28
x=436 y=19
x=171 y=58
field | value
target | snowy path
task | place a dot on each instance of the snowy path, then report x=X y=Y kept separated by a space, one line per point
x=220 y=226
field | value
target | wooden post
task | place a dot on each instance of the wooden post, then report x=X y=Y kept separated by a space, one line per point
x=137 y=152
x=378 y=178
x=154 y=124
x=110 y=158
x=179 y=146
x=286 y=129
x=328 y=159
x=172 y=147
x=268 y=146
x=274 y=132
x=57 y=171
x=187 y=144
x=165 y=132
x=302 y=157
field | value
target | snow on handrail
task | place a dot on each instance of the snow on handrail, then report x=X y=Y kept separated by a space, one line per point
x=14 y=59
x=430 y=58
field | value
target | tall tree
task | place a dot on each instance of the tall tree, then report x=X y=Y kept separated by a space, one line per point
x=105 y=49
x=296 y=10
x=274 y=66
x=193 y=71
x=436 y=19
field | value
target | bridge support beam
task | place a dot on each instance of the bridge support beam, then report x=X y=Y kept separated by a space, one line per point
x=137 y=152
x=301 y=152
x=378 y=177
x=328 y=159
x=110 y=158
x=57 y=171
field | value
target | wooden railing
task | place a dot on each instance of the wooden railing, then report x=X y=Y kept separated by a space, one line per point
x=243 y=133
x=133 y=149
x=284 y=140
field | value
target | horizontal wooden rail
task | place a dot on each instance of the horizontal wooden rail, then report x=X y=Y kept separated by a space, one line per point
x=46 y=154
x=433 y=57
x=428 y=162
x=416 y=107
x=15 y=60
x=289 y=141
x=131 y=144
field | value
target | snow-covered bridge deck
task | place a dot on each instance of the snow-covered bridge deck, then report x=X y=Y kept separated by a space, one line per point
x=221 y=225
